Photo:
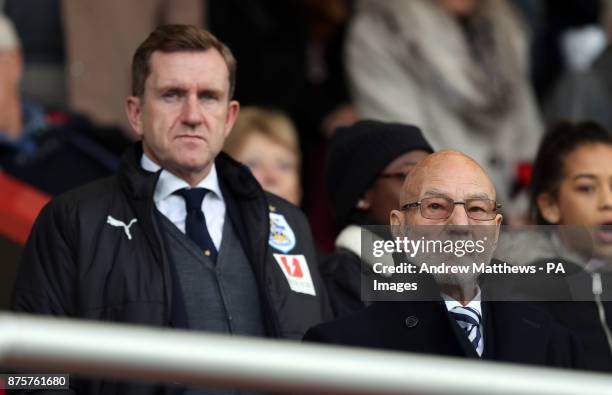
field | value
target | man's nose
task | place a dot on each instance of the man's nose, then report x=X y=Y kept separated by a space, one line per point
x=459 y=216
x=192 y=113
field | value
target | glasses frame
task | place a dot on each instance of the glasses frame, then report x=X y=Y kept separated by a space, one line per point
x=496 y=209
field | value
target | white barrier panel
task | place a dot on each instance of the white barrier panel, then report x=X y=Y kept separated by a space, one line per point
x=165 y=355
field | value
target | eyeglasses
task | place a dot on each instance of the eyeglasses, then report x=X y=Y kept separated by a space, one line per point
x=442 y=208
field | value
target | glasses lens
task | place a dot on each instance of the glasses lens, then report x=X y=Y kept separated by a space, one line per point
x=480 y=209
x=436 y=208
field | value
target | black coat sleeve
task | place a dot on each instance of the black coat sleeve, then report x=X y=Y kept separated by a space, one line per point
x=45 y=278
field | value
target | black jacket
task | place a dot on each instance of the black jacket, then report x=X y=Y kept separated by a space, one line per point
x=76 y=265
x=342 y=273
x=570 y=298
x=513 y=332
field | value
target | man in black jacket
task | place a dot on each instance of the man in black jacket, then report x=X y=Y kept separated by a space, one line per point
x=460 y=322
x=182 y=235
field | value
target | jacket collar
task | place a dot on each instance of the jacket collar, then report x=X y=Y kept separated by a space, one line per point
x=140 y=183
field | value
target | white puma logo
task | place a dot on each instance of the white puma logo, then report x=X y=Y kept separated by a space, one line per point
x=115 y=222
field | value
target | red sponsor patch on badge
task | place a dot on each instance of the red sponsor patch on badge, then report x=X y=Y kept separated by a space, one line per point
x=296 y=271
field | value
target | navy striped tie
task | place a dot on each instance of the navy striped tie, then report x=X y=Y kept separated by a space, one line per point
x=195 y=222
x=469 y=320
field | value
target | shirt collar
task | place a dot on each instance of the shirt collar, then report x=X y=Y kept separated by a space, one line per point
x=169 y=183
x=475 y=303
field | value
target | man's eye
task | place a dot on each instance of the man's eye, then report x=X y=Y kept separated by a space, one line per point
x=208 y=97
x=170 y=95
x=585 y=188
x=435 y=206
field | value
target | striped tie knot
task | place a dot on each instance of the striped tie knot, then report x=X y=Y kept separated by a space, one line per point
x=469 y=320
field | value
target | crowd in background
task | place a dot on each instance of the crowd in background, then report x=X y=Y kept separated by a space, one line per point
x=340 y=99
x=484 y=77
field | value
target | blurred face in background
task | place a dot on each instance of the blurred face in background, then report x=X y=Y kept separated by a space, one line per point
x=11 y=62
x=585 y=193
x=10 y=70
x=10 y=107
x=273 y=165
x=383 y=196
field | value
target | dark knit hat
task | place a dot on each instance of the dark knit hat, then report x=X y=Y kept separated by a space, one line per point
x=359 y=153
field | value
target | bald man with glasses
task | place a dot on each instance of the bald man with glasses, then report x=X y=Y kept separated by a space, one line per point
x=452 y=191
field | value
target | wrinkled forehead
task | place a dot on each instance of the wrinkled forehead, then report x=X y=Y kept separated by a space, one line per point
x=454 y=176
x=206 y=65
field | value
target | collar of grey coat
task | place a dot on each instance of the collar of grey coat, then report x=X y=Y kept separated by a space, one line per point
x=140 y=184
x=136 y=181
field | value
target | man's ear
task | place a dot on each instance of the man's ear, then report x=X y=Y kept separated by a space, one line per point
x=133 y=110
x=396 y=219
x=232 y=114
x=495 y=237
x=549 y=208
x=499 y=219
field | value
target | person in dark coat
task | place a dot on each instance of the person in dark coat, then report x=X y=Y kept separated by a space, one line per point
x=43 y=152
x=182 y=236
x=461 y=322
x=50 y=150
x=366 y=166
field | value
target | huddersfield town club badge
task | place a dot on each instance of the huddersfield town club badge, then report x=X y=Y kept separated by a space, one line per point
x=281 y=235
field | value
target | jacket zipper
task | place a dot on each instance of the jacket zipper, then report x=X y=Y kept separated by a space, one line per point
x=597 y=291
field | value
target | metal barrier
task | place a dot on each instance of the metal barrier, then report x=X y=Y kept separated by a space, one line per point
x=170 y=356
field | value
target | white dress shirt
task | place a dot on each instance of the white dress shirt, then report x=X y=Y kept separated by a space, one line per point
x=173 y=206
x=475 y=304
